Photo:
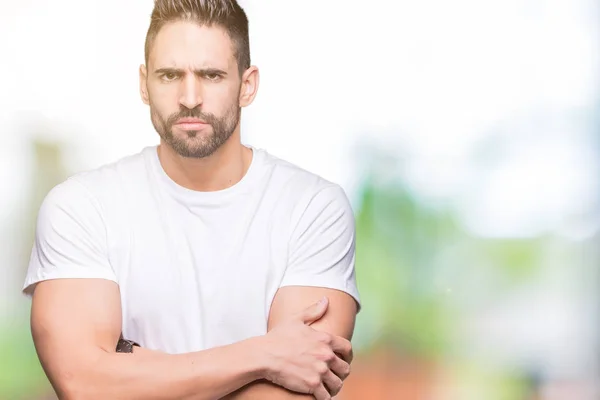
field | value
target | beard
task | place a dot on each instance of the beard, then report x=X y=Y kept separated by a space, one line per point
x=194 y=144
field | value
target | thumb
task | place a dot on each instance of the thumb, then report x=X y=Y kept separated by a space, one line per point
x=315 y=311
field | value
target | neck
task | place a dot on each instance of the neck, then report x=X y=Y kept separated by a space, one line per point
x=222 y=169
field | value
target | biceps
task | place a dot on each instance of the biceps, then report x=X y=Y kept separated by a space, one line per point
x=72 y=320
x=338 y=320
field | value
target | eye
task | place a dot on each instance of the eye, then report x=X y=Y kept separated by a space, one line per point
x=169 y=76
x=213 y=76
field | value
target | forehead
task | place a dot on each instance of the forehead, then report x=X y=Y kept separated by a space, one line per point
x=186 y=44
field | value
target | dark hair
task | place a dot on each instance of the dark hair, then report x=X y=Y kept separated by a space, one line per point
x=226 y=14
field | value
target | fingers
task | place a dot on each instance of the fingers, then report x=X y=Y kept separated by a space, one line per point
x=342 y=347
x=314 y=312
x=340 y=368
x=321 y=393
x=332 y=383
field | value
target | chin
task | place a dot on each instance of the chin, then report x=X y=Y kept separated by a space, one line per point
x=189 y=149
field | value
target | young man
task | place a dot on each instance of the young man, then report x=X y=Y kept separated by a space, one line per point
x=209 y=254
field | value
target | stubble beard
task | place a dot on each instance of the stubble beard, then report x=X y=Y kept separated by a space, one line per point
x=196 y=144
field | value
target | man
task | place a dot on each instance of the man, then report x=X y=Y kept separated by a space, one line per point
x=212 y=256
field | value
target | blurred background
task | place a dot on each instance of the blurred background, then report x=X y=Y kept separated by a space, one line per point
x=466 y=133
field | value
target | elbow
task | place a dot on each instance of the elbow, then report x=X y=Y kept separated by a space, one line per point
x=76 y=386
x=69 y=394
x=79 y=378
x=78 y=393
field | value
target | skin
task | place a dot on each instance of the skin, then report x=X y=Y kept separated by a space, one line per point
x=192 y=70
x=305 y=354
x=76 y=324
x=339 y=320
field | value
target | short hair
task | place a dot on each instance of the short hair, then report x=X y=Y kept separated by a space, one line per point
x=226 y=14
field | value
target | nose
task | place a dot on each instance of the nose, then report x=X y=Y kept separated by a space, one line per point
x=191 y=92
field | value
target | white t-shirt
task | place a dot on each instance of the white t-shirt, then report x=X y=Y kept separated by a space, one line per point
x=196 y=269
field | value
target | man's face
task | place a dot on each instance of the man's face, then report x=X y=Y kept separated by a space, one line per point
x=193 y=88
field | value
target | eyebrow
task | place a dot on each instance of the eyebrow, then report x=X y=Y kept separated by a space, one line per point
x=200 y=71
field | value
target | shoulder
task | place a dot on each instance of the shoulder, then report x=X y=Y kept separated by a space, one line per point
x=111 y=176
x=312 y=195
x=304 y=184
x=93 y=186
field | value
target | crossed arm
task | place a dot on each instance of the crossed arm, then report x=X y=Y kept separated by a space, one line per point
x=76 y=324
x=339 y=320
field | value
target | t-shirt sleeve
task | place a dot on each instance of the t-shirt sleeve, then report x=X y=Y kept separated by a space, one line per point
x=70 y=239
x=322 y=244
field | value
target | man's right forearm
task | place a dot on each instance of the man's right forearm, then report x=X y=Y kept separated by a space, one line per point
x=150 y=375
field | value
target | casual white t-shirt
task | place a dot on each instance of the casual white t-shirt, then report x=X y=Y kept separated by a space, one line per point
x=196 y=269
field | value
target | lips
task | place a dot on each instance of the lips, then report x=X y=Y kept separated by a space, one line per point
x=190 y=121
x=190 y=124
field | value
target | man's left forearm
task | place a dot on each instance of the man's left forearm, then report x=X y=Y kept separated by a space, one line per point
x=265 y=390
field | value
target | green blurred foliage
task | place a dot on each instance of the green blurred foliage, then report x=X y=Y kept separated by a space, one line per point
x=395 y=260
x=21 y=376
x=518 y=259
x=420 y=271
x=408 y=255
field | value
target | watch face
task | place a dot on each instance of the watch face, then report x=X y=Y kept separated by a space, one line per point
x=124 y=346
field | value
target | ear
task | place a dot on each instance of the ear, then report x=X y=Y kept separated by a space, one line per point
x=250 y=80
x=144 y=84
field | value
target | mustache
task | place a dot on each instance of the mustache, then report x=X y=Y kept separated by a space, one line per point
x=191 y=113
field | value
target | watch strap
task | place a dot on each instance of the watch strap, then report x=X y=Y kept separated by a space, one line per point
x=125 y=345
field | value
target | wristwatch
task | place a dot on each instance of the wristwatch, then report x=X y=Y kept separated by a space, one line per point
x=125 y=346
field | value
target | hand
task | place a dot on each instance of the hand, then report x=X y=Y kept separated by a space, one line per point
x=305 y=360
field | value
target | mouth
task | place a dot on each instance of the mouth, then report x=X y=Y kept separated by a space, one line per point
x=190 y=124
